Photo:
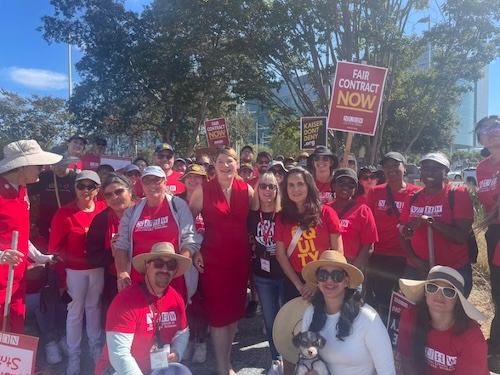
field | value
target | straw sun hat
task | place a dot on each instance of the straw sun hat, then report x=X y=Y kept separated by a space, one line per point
x=414 y=289
x=161 y=249
x=24 y=153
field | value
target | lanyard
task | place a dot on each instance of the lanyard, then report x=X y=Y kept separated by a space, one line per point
x=265 y=235
x=154 y=317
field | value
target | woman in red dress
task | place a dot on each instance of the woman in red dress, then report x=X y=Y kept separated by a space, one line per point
x=224 y=258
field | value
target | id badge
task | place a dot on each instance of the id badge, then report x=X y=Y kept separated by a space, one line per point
x=265 y=265
x=158 y=357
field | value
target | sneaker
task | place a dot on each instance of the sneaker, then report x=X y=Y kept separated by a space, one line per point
x=200 y=352
x=251 y=310
x=188 y=353
x=63 y=344
x=95 y=352
x=73 y=365
x=276 y=368
x=53 y=353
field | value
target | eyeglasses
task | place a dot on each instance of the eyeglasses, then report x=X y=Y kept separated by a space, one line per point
x=321 y=158
x=159 y=263
x=447 y=291
x=117 y=192
x=154 y=181
x=165 y=156
x=337 y=276
x=281 y=172
x=486 y=129
x=133 y=174
x=427 y=169
x=367 y=177
x=345 y=184
x=267 y=186
x=82 y=186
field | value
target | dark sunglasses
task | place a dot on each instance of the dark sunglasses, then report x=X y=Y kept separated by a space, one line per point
x=133 y=174
x=281 y=172
x=367 y=177
x=82 y=186
x=351 y=162
x=164 y=156
x=345 y=184
x=321 y=158
x=154 y=181
x=486 y=129
x=267 y=186
x=447 y=291
x=337 y=276
x=117 y=192
x=159 y=263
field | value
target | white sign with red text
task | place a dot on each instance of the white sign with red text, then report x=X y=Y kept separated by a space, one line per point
x=17 y=354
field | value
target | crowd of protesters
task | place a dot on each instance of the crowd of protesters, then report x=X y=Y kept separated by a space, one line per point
x=312 y=228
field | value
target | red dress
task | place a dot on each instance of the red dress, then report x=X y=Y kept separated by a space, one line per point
x=226 y=253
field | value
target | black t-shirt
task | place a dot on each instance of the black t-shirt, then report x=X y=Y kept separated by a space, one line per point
x=48 y=201
x=264 y=262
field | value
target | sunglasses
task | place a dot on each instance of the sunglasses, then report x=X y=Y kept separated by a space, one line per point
x=117 y=192
x=486 y=129
x=133 y=174
x=367 y=177
x=337 y=276
x=281 y=172
x=159 y=263
x=267 y=186
x=345 y=184
x=82 y=186
x=154 y=181
x=351 y=162
x=321 y=158
x=164 y=156
x=447 y=291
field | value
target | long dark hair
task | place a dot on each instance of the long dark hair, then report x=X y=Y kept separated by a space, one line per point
x=348 y=312
x=312 y=206
x=422 y=327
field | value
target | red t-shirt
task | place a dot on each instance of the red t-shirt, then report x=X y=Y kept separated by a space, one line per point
x=325 y=192
x=388 y=236
x=312 y=242
x=90 y=161
x=173 y=183
x=68 y=234
x=359 y=229
x=130 y=313
x=446 y=253
x=487 y=178
x=445 y=352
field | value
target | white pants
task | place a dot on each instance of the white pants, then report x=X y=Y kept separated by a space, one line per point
x=85 y=287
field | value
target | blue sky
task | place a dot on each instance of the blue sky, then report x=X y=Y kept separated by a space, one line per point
x=28 y=65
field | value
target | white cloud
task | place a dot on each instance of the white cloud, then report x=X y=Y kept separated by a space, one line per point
x=38 y=78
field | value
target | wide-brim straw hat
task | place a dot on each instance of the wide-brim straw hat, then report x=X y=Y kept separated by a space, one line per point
x=333 y=258
x=414 y=290
x=24 y=153
x=161 y=249
x=287 y=324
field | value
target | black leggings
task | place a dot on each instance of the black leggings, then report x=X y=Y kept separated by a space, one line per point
x=492 y=238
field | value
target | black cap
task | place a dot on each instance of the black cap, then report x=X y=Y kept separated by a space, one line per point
x=77 y=136
x=367 y=169
x=345 y=172
x=101 y=141
x=323 y=150
x=163 y=147
x=394 y=156
x=248 y=147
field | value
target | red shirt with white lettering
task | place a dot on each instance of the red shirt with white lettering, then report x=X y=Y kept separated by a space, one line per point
x=325 y=191
x=447 y=253
x=388 y=235
x=359 y=229
x=173 y=183
x=446 y=353
x=312 y=242
x=130 y=313
x=90 y=161
x=487 y=178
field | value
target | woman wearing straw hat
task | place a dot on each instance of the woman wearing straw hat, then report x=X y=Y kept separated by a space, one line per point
x=357 y=342
x=439 y=335
x=23 y=161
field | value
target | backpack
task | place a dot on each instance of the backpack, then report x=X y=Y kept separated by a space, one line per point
x=471 y=240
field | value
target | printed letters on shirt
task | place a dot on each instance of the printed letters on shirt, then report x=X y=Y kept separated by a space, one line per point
x=168 y=319
x=439 y=360
x=306 y=245
x=148 y=225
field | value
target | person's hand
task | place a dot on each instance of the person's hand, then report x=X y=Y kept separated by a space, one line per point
x=422 y=267
x=186 y=253
x=123 y=281
x=11 y=257
x=55 y=258
x=114 y=237
x=201 y=231
x=173 y=357
x=307 y=292
x=198 y=262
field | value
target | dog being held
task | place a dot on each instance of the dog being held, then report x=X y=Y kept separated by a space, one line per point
x=309 y=344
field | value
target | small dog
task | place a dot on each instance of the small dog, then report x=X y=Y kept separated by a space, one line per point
x=309 y=344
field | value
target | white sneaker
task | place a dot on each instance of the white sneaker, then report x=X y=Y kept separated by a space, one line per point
x=276 y=368
x=73 y=365
x=63 y=344
x=188 y=353
x=200 y=352
x=53 y=353
x=95 y=352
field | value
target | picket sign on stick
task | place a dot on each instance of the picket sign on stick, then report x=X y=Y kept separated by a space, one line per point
x=10 y=282
x=347 y=151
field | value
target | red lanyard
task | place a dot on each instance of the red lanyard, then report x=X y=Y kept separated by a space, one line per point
x=266 y=234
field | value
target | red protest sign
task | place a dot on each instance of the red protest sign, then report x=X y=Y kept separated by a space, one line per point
x=356 y=99
x=18 y=353
x=217 y=134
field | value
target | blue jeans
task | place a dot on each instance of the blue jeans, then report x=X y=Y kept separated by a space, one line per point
x=465 y=271
x=50 y=323
x=271 y=296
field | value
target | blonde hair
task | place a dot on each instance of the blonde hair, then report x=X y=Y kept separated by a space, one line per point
x=228 y=151
x=270 y=178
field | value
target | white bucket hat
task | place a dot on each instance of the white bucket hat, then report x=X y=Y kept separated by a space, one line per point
x=24 y=153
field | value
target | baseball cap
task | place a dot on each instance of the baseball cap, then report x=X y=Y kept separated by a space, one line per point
x=88 y=175
x=246 y=166
x=130 y=168
x=394 y=156
x=345 y=172
x=77 y=136
x=164 y=146
x=153 y=170
x=438 y=157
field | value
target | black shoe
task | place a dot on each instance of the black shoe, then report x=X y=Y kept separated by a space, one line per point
x=251 y=309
